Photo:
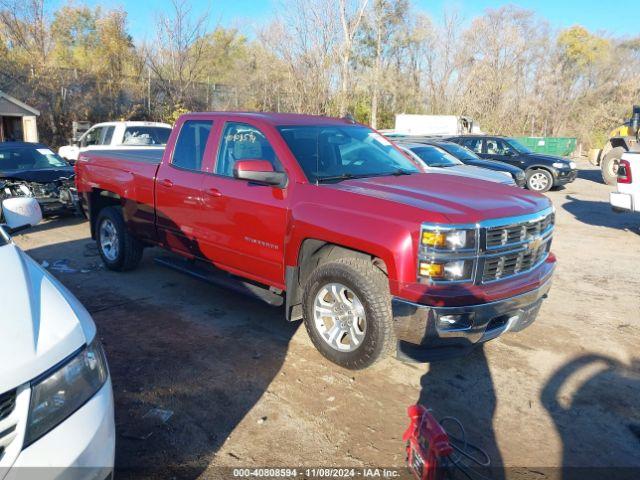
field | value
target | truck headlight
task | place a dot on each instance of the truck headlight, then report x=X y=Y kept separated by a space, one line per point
x=456 y=270
x=447 y=253
x=449 y=239
x=572 y=165
x=59 y=393
x=560 y=165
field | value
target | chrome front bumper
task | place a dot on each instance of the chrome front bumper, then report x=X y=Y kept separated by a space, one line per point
x=427 y=333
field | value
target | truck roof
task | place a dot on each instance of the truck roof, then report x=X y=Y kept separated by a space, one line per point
x=127 y=123
x=279 y=118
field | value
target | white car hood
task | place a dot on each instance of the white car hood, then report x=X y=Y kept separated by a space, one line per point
x=476 y=172
x=41 y=322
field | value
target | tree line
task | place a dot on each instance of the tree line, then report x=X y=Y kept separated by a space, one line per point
x=507 y=68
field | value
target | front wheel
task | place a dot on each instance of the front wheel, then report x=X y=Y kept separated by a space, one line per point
x=119 y=250
x=539 y=180
x=347 y=312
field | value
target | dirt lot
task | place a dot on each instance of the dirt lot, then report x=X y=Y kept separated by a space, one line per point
x=248 y=389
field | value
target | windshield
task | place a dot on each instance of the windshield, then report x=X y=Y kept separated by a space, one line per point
x=518 y=146
x=29 y=158
x=146 y=136
x=458 y=151
x=341 y=152
x=435 y=157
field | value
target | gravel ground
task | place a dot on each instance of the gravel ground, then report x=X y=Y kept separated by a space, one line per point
x=247 y=389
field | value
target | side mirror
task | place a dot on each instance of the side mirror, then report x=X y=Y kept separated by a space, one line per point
x=259 y=171
x=21 y=213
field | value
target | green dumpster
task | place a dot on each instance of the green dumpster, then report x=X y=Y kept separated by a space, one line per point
x=562 y=146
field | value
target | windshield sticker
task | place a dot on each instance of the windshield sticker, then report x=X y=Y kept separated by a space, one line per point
x=380 y=139
x=241 y=137
x=44 y=151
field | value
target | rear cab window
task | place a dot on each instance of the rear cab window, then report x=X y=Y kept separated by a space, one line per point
x=188 y=153
x=146 y=135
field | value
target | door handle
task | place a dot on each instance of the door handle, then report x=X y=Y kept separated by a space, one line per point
x=213 y=192
x=167 y=183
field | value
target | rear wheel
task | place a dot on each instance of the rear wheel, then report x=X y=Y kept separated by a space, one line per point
x=539 y=180
x=119 y=250
x=347 y=312
x=609 y=166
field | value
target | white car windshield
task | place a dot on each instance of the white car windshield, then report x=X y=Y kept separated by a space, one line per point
x=435 y=157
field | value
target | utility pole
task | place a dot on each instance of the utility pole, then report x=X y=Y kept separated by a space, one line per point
x=149 y=91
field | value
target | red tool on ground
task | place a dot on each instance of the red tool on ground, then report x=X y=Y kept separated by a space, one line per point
x=434 y=454
x=428 y=447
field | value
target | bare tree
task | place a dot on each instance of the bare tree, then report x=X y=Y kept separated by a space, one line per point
x=351 y=14
x=176 y=56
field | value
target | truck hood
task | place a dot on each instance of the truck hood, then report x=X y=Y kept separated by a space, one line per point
x=458 y=199
x=41 y=322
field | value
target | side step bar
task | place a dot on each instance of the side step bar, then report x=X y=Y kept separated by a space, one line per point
x=221 y=279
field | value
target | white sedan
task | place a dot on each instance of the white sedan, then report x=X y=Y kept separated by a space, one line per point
x=435 y=159
x=56 y=399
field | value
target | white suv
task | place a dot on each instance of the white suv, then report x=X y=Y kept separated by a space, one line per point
x=118 y=135
x=56 y=400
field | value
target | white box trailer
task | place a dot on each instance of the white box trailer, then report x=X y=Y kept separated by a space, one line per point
x=410 y=124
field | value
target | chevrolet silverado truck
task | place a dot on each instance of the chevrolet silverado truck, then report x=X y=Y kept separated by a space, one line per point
x=331 y=220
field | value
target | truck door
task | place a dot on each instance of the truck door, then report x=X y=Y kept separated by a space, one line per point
x=179 y=188
x=244 y=223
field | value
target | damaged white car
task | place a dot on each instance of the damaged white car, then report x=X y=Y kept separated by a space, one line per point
x=56 y=399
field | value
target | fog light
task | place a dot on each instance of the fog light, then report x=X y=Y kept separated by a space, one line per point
x=432 y=270
x=454 y=322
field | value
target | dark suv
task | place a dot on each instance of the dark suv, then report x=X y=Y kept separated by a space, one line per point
x=542 y=171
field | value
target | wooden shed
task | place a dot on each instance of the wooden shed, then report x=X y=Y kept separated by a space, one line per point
x=17 y=120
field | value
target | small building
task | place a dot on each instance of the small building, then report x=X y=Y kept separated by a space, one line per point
x=17 y=120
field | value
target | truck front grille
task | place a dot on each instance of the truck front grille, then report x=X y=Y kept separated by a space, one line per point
x=507 y=265
x=7 y=403
x=515 y=248
x=507 y=235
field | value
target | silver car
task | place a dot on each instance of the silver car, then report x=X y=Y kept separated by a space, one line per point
x=436 y=160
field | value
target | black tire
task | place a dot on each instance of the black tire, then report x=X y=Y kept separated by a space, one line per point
x=535 y=184
x=371 y=286
x=609 y=166
x=129 y=248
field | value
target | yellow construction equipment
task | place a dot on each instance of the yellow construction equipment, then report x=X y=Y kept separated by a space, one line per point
x=622 y=139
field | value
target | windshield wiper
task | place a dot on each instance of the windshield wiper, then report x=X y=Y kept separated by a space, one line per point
x=333 y=178
x=400 y=171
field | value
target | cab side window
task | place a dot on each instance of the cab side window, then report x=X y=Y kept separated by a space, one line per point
x=473 y=144
x=192 y=140
x=243 y=142
x=92 y=137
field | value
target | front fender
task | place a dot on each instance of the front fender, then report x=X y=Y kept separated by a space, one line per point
x=394 y=242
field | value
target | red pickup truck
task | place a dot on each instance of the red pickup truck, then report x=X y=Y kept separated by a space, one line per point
x=330 y=219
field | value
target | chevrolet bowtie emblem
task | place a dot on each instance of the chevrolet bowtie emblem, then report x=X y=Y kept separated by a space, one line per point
x=535 y=243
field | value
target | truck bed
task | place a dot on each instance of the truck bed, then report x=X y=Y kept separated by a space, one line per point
x=153 y=156
x=130 y=175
